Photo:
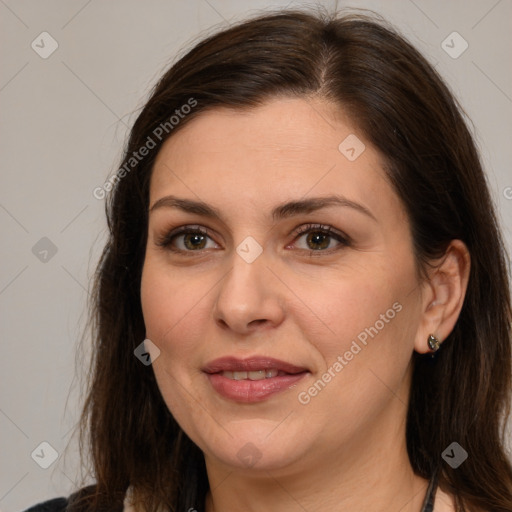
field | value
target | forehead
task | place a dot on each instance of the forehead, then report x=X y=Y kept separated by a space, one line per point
x=287 y=147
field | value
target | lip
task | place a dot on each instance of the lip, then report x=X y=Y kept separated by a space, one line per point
x=254 y=363
x=250 y=391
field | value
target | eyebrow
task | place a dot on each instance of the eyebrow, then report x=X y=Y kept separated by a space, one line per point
x=283 y=211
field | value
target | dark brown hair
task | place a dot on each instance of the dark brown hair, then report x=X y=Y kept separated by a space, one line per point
x=406 y=111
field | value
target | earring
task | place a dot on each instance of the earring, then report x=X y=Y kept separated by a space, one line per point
x=433 y=343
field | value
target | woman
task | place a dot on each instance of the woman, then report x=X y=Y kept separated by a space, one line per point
x=303 y=246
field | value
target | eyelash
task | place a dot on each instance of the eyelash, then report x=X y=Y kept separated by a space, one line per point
x=166 y=240
x=344 y=241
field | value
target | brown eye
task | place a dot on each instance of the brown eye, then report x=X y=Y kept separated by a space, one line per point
x=187 y=240
x=194 y=241
x=317 y=240
x=320 y=239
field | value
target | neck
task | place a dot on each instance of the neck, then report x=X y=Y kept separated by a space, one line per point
x=371 y=473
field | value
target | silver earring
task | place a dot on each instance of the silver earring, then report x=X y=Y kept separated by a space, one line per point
x=433 y=343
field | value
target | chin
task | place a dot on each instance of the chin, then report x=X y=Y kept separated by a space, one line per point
x=256 y=445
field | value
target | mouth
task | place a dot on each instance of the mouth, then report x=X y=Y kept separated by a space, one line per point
x=252 y=365
x=253 y=379
x=254 y=375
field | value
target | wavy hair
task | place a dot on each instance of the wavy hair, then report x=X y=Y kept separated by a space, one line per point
x=406 y=111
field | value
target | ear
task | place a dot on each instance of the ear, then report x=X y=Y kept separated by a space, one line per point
x=443 y=294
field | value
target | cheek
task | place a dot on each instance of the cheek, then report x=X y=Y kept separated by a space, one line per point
x=366 y=334
x=361 y=361
x=351 y=306
x=169 y=302
x=172 y=307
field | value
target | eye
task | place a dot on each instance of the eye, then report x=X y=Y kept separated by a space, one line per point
x=186 y=239
x=319 y=238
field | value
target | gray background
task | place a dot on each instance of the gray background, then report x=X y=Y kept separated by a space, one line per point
x=63 y=124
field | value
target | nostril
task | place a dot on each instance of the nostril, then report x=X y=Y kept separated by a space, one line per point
x=257 y=322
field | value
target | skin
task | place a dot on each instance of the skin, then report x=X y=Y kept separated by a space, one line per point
x=345 y=449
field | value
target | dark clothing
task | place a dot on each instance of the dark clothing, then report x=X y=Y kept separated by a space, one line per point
x=55 y=505
x=60 y=504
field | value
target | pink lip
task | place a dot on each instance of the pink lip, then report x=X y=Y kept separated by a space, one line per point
x=233 y=364
x=249 y=391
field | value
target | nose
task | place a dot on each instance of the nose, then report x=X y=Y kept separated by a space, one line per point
x=249 y=297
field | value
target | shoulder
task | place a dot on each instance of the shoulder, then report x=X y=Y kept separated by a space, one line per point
x=62 y=503
x=444 y=502
x=54 y=505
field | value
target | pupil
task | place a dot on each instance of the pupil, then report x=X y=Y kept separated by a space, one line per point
x=194 y=241
x=319 y=239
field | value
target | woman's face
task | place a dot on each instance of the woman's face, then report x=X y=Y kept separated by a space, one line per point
x=280 y=287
